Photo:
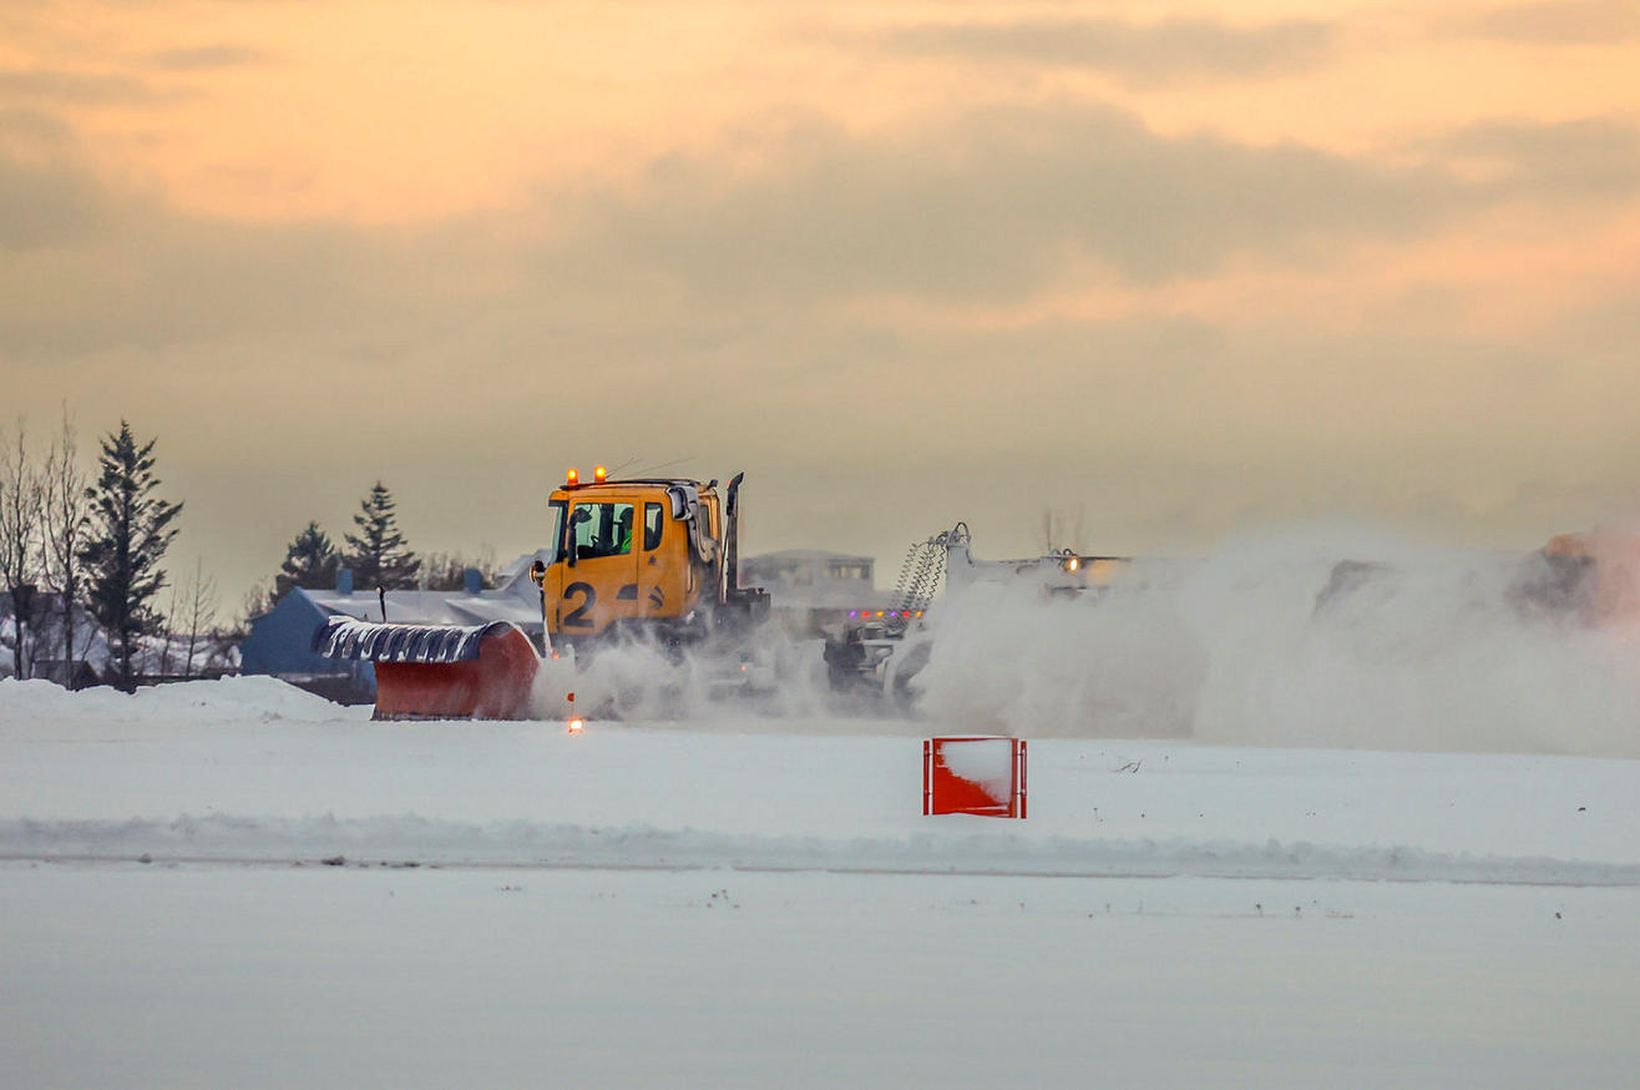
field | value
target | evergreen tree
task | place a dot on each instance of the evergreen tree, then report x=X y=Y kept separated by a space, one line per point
x=310 y=561
x=131 y=529
x=377 y=554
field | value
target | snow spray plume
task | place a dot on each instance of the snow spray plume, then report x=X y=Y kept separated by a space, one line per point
x=782 y=679
x=1313 y=638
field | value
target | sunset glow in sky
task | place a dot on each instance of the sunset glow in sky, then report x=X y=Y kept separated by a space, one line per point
x=1180 y=268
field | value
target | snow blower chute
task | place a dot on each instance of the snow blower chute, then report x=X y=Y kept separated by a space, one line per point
x=439 y=671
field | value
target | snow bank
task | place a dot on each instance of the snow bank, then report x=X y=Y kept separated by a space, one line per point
x=413 y=840
x=227 y=700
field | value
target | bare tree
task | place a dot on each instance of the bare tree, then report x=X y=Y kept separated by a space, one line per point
x=20 y=504
x=168 y=630
x=201 y=612
x=65 y=521
x=1060 y=530
x=448 y=571
x=260 y=599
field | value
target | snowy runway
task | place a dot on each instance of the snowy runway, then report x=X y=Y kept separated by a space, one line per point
x=147 y=976
x=756 y=903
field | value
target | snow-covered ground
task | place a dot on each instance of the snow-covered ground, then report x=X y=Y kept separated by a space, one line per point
x=742 y=902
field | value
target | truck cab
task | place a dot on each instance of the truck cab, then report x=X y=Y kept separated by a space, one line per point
x=652 y=558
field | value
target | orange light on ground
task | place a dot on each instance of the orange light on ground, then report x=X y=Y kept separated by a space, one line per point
x=575 y=725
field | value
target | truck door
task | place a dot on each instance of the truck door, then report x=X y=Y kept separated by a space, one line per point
x=665 y=573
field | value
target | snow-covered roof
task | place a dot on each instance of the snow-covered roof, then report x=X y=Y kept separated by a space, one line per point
x=451 y=607
x=519 y=569
x=46 y=635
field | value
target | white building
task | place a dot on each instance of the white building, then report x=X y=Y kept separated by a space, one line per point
x=813 y=592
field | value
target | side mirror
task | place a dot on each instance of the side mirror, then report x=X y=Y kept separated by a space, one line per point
x=538 y=572
x=580 y=515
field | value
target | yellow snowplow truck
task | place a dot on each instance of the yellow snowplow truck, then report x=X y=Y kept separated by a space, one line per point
x=650 y=559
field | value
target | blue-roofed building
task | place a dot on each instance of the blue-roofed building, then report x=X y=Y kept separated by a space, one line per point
x=280 y=641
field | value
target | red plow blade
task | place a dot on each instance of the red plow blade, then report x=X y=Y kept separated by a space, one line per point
x=439 y=672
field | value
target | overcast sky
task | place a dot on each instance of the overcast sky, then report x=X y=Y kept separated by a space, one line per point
x=1178 y=269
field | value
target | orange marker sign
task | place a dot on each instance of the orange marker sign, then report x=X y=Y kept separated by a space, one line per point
x=982 y=775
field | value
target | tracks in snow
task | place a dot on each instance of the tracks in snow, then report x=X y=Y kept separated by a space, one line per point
x=410 y=841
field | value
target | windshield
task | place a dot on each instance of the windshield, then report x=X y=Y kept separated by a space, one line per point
x=601 y=529
x=555 y=532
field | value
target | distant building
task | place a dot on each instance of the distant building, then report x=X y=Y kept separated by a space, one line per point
x=280 y=641
x=809 y=568
x=813 y=592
